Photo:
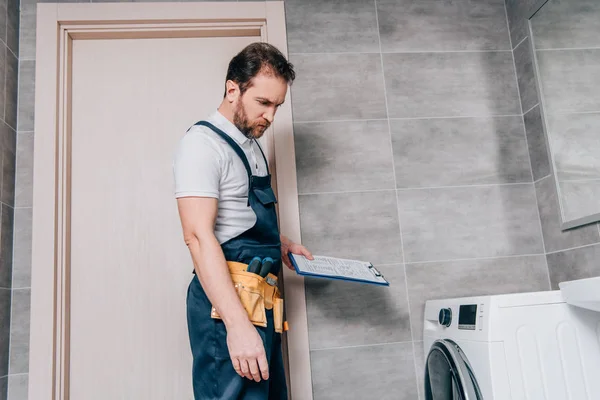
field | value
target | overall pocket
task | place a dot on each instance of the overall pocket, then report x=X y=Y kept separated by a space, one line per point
x=250 y=290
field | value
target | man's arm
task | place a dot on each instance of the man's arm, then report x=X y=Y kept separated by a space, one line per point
x=198 y=216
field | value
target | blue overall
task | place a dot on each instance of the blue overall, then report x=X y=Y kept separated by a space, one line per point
x=213 y=373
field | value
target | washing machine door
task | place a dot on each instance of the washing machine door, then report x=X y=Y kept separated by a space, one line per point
x=448 y=374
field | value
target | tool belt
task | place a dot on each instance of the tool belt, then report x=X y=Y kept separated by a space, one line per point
x=257 y=295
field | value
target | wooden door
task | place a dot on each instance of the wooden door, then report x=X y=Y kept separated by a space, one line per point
x=108 y=290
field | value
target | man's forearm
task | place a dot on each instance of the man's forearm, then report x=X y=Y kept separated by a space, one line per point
x=213 y=273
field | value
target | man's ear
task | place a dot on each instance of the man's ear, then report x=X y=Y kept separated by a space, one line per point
x=232 y=91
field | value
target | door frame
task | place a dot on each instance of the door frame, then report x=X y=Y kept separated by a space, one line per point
x=58 y=25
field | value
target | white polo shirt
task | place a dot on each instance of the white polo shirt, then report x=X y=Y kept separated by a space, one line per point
x=205 y=165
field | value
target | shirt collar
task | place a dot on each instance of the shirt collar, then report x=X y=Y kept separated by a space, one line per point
x=229 y=128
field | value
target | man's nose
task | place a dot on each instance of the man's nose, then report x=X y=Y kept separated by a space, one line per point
x=269 y=115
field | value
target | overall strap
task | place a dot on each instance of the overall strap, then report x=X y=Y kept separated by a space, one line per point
x=263 y=154
x=231 y=142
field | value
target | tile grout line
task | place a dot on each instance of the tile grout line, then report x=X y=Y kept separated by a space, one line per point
x=7 y=46
x=542 y=178
x=399 y=52
x=360 y=346
x=401 y=118
x=483 y=185
x=536 y=104
x=574 y=248
x=510 y=39
x=412 y=339
x=474 y=259
x=18 y=374
x=571 y=49
x=3 y=203
x=561 y=112
x=580 y=180
x=537 y=208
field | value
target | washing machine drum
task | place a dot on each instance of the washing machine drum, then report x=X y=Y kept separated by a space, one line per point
x=448 y=374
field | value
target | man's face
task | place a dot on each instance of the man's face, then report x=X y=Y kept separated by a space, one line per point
x=255 y=110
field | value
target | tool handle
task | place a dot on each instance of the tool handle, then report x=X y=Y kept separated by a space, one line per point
x=254 y=266
x=267 y=263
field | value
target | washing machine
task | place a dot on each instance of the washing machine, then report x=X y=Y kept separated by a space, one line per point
x=528 y=346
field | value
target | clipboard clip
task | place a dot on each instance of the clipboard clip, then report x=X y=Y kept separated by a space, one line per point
x=375 y=271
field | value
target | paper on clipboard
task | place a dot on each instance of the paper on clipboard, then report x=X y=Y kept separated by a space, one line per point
x=338 y=268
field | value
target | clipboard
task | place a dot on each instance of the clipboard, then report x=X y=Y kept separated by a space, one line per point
x=338 y=268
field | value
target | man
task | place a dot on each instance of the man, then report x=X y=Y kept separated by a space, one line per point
x=227 y=211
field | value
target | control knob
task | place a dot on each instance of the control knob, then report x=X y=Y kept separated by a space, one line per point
x=445 y=317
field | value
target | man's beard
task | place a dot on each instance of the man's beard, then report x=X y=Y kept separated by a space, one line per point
x=240 y=120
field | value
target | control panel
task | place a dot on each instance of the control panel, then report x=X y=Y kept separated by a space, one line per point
x=467 y=317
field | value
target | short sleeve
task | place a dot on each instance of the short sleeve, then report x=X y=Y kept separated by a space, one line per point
x=197 y=166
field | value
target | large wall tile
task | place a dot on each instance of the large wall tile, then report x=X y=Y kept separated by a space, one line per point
x=525 y=75
x=3 y=67
x=12 y=25
x=472 y=222
x=451 y=84
x=4 y=329
x=574 y=264
x=12 y=84
x=442 y=280
x=3 y=387
x=518 y=11
x=554 y=237
x=24 y=178
x=28 y=31
x=519 y=32
x=384 y=372
x=8 y=147
x=341 y=156
x=420 y=367
x=22 y=248
x=338 y=86
x=19 y=332
x=580 y=198
x=3 y=19
x=18 y=387
x=459 y=151
x=317 y=26
x=6 y=245
x=564 y=24
x=537 y=143
x=359 y=315
x=570 y=80
x=352 y=225
x=26 y=95
x=433 y=25
x=575 y=143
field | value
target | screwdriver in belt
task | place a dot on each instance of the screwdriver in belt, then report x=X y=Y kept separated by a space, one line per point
x=267 y=263
x=254 y=265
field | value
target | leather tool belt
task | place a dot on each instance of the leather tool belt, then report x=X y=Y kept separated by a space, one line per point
x=257 y=294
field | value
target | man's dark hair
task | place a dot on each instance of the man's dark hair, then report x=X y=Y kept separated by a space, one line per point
x=258 y=58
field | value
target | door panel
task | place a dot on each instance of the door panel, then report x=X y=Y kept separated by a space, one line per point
x=132 y=101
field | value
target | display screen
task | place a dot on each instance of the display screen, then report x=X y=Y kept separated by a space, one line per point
x=467 y=316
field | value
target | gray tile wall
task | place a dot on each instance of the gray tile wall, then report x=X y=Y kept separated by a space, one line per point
x=401 y=161
x=571 y=254
x=412 y=154
x=9 y=67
